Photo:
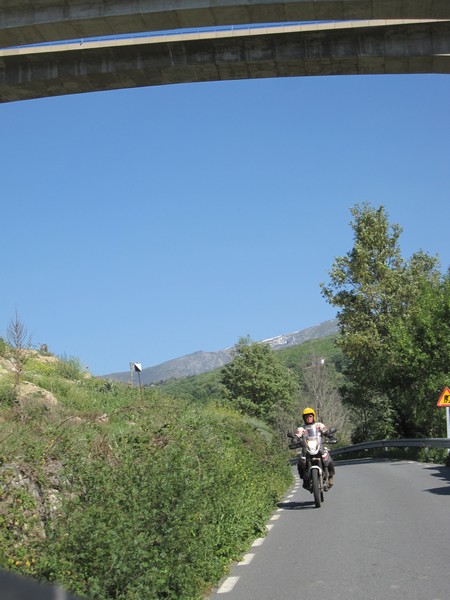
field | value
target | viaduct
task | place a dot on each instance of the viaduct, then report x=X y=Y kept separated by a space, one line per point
x=337 y=37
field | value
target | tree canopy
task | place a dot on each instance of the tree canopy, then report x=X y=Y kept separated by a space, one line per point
x=256 y=382
x=394 y=329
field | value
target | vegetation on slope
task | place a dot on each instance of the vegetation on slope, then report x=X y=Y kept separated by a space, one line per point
x=116 y=494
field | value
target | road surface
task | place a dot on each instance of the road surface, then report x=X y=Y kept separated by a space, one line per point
x=383 y=533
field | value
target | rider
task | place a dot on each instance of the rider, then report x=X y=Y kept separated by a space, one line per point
x=309 y=417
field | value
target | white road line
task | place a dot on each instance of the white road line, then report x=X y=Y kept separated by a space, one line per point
x=246 y=560
x=230 y=582
x=258 y=542
x=227 y=585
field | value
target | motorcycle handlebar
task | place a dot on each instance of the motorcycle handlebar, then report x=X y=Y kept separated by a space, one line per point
x=295 y=442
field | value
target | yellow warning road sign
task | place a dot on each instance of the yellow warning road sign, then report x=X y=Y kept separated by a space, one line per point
x=444 y=398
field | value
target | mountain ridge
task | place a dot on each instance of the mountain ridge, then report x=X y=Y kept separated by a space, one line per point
x=200 y=362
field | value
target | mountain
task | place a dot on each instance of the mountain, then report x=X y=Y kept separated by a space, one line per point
x=312 y=333
x=202 y=362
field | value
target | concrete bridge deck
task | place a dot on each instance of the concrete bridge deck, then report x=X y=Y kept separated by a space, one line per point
x=36 y=21
x=333 y=49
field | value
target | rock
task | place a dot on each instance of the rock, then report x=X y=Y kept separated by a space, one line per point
x=6 y=365
x=36 y=499
x=30 y=393
x=14 y=482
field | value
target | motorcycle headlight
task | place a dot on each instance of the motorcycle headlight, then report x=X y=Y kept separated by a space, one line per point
x=312 y=445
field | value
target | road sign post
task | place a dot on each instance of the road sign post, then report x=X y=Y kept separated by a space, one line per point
x=448 y=424
x=444 y=400
x=138 y=369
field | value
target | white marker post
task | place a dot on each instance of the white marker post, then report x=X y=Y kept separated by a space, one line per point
x=444 y=400
x=138 y=369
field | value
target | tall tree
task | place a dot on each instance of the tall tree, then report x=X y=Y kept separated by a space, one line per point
x=366 y=283
x=375 y=291
x=257 y=383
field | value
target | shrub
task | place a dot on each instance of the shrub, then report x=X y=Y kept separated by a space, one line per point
x=3 y=348
x=69 y=367
x=433 y=455
x=163 y=507
x=8 y=395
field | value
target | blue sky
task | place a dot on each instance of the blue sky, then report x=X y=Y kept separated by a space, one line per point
x=142 y=225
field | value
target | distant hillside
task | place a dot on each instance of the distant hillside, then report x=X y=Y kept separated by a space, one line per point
x=203 y=362
x=205 y=386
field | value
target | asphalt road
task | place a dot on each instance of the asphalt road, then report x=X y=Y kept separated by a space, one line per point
x=383 y=533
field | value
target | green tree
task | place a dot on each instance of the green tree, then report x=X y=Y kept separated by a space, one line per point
x=366 y=283
x=418 y=360
x=257 y=383
x=375 y=291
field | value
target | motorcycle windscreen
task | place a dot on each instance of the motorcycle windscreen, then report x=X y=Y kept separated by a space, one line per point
x=311 y=431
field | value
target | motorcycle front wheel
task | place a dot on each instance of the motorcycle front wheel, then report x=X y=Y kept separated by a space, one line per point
x=315 y=487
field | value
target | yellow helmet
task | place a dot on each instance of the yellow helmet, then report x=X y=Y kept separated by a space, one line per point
x=309 y=411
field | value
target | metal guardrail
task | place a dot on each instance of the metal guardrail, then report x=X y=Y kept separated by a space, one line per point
x=401 y=443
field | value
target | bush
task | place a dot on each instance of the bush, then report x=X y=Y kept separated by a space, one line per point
x=433 y=455
x=3 y=348
x=163 y=508
x=69 y=368
x=8 y=395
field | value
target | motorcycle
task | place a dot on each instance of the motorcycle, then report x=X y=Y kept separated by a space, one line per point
x=316 y=455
